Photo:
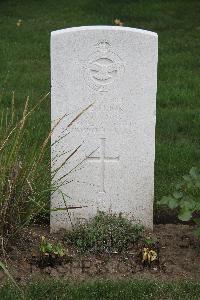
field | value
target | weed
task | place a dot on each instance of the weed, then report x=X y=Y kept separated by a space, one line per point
x=47 y=248
x=149 y=256
x=150 y=252
x=186 y=198
x=105 y=233
x=50 y=254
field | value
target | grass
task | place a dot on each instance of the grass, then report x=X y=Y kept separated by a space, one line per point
x=122 y=290
x=25 y=67
x=25 y=173
x=24 y=180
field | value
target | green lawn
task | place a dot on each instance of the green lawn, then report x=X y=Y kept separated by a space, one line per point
x=25 y=66
x=122 y=290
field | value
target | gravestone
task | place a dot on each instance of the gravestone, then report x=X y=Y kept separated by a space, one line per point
x=103 y=123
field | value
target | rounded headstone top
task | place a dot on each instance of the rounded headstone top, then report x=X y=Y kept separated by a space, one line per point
x=104 y=27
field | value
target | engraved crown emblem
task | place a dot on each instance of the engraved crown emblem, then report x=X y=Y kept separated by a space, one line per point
x=103 y=46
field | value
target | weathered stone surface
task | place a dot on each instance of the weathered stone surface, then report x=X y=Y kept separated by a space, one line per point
x=115 y=70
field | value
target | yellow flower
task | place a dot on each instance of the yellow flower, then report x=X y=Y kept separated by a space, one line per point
x=149 y=255
x=118 y=22
x=19 y=22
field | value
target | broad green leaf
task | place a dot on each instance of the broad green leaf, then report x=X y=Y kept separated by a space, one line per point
x=187 y=203
x=185 y=215
x=173 y=203
x=178 y=195
x=163 y=201
x=48 y=247
x=170 y=201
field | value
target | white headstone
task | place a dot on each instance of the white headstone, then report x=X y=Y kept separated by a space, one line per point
x=113 y=69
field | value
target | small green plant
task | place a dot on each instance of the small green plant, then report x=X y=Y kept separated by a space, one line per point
x=186 y=198
x=149 y=256
x=50 y=254
x=149 y=241
x=105 y=233
x=49 y=249
x=150 y=252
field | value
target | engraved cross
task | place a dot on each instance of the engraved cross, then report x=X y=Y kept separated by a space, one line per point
x=102 y=159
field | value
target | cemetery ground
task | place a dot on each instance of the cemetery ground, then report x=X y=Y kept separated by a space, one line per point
x=25 y=69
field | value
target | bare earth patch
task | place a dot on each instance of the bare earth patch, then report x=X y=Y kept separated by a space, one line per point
x=179 y=258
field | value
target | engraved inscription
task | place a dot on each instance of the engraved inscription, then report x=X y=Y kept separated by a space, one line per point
x=102 y=159
x=103 y=67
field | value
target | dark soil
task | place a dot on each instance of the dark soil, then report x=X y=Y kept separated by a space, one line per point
x=179 y=258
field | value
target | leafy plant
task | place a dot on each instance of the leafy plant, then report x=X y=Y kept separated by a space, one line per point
x=148 y=256
x=47 y=249
x=50 y=254
x=150 y=252
x=149 y=241
x=186 y=198
x=105 y=233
